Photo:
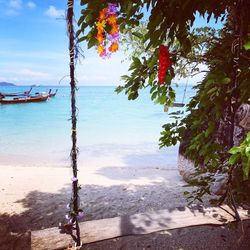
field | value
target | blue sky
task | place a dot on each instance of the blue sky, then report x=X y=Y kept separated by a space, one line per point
x=34 y=47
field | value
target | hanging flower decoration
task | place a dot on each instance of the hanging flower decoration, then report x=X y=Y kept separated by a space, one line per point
x=107 y=16
x=164 y=63
x=71 y=215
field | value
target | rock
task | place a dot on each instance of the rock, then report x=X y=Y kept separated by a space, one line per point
x=242 y=126
x=242 y=117
x=219 y=186
x=186 y=167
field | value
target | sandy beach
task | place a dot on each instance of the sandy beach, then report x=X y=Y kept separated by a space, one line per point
x=33 y=198
x=171 y=96
x=36 y=197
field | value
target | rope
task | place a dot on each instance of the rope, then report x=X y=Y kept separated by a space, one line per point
x=74 y=150
x=236 y=52
x=185 y=90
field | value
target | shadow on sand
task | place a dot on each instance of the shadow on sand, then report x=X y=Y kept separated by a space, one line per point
x=46 y=210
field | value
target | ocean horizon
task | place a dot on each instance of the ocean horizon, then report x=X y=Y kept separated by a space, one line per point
x=112 y=131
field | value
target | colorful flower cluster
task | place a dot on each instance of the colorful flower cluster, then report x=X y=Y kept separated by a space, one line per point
x=107 y=15
x=164 y=63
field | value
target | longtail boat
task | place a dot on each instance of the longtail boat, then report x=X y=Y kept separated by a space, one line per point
x=25 y=93
x=26 y=99
x=53 y=94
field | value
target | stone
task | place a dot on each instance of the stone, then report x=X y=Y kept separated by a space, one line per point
x=242 y=126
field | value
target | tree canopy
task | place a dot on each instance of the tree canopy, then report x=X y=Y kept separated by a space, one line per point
x=207 y=130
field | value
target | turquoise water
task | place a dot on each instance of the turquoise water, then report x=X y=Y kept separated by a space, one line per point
x=109 y=127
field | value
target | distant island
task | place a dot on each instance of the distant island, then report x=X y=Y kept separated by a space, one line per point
x=6 y=84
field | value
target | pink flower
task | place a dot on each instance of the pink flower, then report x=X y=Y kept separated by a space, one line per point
x=112 y=9
x=105 y=55
x=114 y=37
x=74 y=179
x=80 y=215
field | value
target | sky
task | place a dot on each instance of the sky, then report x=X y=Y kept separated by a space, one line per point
x=34 y=47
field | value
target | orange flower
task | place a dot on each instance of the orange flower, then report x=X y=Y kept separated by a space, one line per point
x=100 y=38
x=100 y=49
x=103 y=14
x=114 y=29
x=112 y=20
x=113 y=47
x=107 y=15
x=101 y=25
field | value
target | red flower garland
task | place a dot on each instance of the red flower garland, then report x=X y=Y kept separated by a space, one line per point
x=164 y=63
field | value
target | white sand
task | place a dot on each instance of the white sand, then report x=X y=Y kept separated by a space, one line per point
x=36 y=197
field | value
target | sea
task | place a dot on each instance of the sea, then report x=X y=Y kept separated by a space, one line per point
x=111 y=130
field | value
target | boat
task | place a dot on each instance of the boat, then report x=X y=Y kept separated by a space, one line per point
x=53 y=94
x=25 y=93
x=45 y=93
x=26 y=99
x=50 y=93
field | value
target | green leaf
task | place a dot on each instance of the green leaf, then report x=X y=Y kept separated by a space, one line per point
x=137 y=61
x=119 y=89
x=246 y=169
x=247 y=151
x=210 y=129
x=153 y=62
x=233 y=159
x=211 y=90
x=161 y=99
x=235 y=150
x=81 y=39
x=247 y=45
x=153 y=95
x=92 y=42
x=78 y=33
x=137 y=34
x=226 y=80
x=81 y=19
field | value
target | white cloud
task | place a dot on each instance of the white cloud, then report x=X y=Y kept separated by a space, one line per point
x=31 y=5
x=15 y=4
x=26 y=76
x=3 y=79
x=52 y=11
x=99 y=71
x=32 y=73
x=14 y=7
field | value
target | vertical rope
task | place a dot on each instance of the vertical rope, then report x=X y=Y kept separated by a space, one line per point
x=75 y=197
x=236 y=51
x=185 y=90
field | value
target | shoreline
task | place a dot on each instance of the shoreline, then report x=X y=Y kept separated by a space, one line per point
x=98 y=156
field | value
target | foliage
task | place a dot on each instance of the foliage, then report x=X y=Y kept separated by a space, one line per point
x=205 y=131
x=241 y=154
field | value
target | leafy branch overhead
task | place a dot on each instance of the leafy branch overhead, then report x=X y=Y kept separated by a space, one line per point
x=175 y=30
x=206 y=130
